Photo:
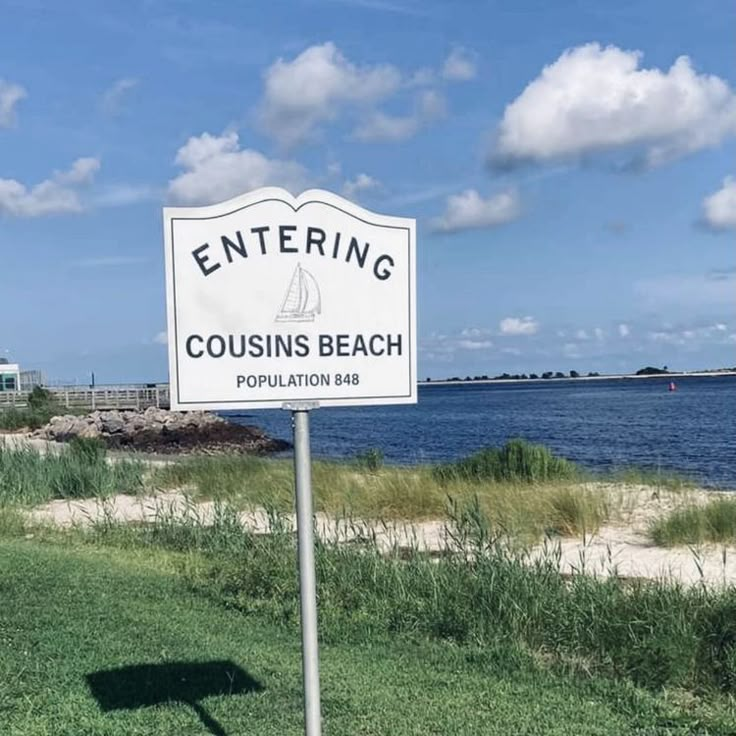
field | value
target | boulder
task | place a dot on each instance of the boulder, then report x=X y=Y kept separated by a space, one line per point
x=161 y=431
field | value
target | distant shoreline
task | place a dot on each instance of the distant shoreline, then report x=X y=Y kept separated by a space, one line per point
x=609 y=377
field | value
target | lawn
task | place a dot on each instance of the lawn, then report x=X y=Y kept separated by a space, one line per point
x=69 y=610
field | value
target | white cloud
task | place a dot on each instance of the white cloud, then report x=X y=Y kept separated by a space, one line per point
x=719 y=209
x=10 y=95
x=519 y=326
x=161 y=338
x=216 y=168
x=598 y=333
x=312 y=88
x=595 y=98
x=459 y=66
x=692 y=336
x=443 y=348
x=56 y=195
x=361 y=183
x=468 y=210
x=379 y=127
x=581 y=335
x=623 y=330
x=474 y=344
x=112 y=99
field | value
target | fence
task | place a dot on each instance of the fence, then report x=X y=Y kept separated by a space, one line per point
x=102 y=397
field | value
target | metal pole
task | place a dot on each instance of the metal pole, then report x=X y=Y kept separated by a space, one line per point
x=307 y=576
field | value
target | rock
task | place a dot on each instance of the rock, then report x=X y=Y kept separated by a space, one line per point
x=161 y=431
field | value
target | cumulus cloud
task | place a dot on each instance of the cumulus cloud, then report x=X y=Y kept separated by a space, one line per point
x=719 y=209
x=216 y=168
x=623 y=330
x=595 y=98
x=691 y=336
x=161 y=338
x=10 y=95
x=380 y=127
x=468 y=210
x=441 y=347
x=304 y=92
x=518 y=326
x=58 y=194
x=113 y=98
x=361 y=183
x=459 y=66
x=598 y=333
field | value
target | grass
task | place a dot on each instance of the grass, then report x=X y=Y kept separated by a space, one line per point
x=481 y=639
x=42 y=405
x=69 y=612
x=80 y=470
x=371 y=491
x=14 y=419
x=516 y=461
x=715 y=522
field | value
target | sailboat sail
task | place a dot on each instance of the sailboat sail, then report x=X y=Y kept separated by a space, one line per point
x=303 y=299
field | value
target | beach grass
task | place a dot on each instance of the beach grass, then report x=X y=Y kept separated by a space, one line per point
x=111 y=641
x=523 y=508
x=517 y=461
x=713 y=522
x=80 y=470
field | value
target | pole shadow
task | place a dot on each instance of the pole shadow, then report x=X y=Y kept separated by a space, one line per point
x=145 y=685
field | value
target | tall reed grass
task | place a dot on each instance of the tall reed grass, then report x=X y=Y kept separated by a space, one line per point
x=79 y=470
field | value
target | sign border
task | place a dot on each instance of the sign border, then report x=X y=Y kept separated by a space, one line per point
x=309 y=196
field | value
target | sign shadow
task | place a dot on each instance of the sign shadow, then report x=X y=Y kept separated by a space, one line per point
x=145 y=685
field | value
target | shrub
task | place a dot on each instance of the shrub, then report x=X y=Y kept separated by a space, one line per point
x=517 y=460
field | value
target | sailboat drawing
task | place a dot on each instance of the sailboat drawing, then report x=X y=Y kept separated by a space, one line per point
x=303 y=299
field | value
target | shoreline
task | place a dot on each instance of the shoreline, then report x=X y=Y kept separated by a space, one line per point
x=606 y=377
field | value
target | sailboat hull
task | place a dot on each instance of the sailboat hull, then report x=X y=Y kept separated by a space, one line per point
x=297 y=317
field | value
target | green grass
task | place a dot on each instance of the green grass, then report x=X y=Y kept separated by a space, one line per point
x=80 y=470
x=42 y=405
x=70 y=611
x=529 y=510
x=14 y=419
x=517 y=461
x=714 y=522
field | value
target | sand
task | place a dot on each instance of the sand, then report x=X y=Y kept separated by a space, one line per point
x=622 y=548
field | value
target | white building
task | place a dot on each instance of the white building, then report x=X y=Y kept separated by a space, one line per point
x=9 y=376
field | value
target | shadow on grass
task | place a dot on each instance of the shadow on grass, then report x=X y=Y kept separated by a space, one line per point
x=143 y=685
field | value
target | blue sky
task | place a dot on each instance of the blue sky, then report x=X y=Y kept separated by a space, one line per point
x=568 y=164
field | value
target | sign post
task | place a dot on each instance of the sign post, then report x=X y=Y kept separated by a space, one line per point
x=275 y=301
x=307 y=576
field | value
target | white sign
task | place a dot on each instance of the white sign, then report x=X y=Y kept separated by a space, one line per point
x=275 y=299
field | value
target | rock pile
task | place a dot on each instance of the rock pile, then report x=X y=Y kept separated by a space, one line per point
x=162 y=431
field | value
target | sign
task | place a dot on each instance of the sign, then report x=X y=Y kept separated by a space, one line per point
x=274 y=299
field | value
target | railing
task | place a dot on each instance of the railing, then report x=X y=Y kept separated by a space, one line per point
x=102 y=397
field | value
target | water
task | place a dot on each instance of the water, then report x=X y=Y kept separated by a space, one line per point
x=603 y=424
